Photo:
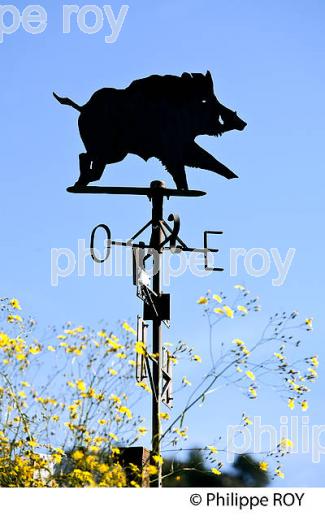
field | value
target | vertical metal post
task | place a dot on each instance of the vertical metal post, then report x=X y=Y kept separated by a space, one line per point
x=156 y=239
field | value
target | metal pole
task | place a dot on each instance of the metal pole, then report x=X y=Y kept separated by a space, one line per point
x=156 y=239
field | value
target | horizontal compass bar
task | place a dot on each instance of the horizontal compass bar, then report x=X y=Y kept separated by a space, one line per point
x=129 y=190
x=179 y=248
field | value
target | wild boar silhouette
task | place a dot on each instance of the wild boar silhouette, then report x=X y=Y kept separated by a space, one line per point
x=157 y=116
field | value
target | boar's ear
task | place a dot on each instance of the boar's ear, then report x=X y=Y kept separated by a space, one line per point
x=209 y=78
x=186 y=75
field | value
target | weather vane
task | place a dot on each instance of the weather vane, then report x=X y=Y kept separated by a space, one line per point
x=158 y=116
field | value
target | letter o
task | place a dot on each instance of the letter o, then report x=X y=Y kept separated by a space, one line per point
x=266 y=262
x=289 y=499
x=81 y=19
x=108 y=243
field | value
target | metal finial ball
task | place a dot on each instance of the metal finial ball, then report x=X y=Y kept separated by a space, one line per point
x=157 y=184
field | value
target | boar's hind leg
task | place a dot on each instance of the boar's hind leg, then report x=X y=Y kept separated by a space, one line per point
x=84 y=164
x=197 y=157
x=177 y=171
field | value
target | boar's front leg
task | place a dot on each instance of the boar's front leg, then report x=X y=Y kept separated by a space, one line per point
x=90 y=170
x=197 y=157
x=177 y=171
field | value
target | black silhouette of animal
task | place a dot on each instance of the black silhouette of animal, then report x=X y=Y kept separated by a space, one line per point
x=158 y=116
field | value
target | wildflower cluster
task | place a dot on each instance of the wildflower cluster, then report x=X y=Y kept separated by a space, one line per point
x=64 y=403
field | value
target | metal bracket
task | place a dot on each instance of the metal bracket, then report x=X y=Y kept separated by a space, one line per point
x=166 y=395
x=141 y=366
x=173 y=237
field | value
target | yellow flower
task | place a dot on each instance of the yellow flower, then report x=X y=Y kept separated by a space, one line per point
x=113 y=436
x=94 y=449
x=145 y=387
x=50 y=348
x=102 y=421
x=286 y=443
x=78 y=455
x=197 y=358
x=309 y=323
x=217 y=298
x=71 y=384
x=35 y=350
x=245 y=351
x=212 y=449
x=203 y=300
x=12 y=318
x=158 y=459
x=112 y=372
x=22 y=394
x=313 y=372
x=279 y=473
x=238 y=342
x=128 y=328
x=228 y=311
x=132 y=362
x=181 y=433
x=33 y=443
x=247 y=421
x=216 y=471
x=81 y=385
x=252 y=391
x=304 y=406
x=125 y=411
x=242 y=309
x=115 y=451
x=240 y=287
x=291 y=403
x=4 y=340
x=140 y=348
x=164 y=416
x=218 y=310
x=264 y=466
x=115 y=398
x=250 y=375
x=279 y=356
x=25 y=384
x=57 y=458
x=103 y=468
x=185 y=381
x=152 y=470
x=142 y=430
x=20 y=357
x=55 y=418
x=314 y=361
x=15 y=304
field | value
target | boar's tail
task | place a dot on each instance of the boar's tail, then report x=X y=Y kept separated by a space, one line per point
x=67 y=101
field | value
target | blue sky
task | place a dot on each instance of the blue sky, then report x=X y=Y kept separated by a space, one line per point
x=267 y=60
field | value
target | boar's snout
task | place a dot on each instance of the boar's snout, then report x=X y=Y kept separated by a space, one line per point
x=241 y=125
x=230 y=119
